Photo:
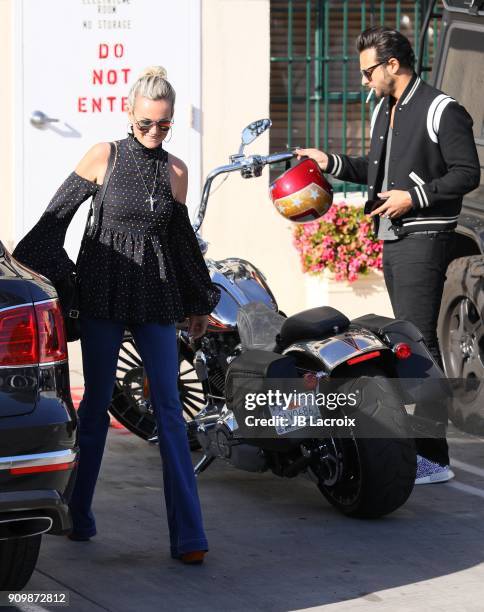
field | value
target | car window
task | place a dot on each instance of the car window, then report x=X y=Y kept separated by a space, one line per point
x=463 y=79
x=463 y=76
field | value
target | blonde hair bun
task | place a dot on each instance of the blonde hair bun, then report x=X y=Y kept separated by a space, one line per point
x=154 y=71
x=152 y=84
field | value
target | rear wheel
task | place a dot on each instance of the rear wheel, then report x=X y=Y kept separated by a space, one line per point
x=369 y=477
x=18 y=558
x=131 y=404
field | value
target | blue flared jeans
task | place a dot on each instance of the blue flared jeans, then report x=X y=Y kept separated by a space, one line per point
x=100 y=342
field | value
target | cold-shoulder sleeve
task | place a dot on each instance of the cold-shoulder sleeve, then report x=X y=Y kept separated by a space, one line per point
x=42 y=249
x=199 y=294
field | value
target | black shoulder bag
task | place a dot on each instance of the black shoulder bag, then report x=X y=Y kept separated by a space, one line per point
x=67 y=287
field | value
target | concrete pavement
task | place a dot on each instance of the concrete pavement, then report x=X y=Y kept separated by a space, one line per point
x=275 y=545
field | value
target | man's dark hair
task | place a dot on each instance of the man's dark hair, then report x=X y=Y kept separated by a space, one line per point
x=387 y=43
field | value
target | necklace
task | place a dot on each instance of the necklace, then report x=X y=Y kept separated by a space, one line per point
x=150 y=199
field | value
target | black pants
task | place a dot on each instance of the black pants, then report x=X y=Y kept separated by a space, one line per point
x=414 y=269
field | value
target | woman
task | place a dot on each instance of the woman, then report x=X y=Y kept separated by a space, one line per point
x=140 y=268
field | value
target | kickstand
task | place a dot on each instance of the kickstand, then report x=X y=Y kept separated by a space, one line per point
x=203 y=464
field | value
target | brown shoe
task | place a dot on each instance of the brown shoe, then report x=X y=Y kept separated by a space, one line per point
x=195 y=557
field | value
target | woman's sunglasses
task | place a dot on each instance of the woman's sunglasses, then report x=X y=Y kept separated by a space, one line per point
x=144 y=125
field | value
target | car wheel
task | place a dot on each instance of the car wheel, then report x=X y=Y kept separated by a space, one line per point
x=461 y=338
x=18 y=558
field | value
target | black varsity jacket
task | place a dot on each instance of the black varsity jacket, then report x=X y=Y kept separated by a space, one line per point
x=433 y=156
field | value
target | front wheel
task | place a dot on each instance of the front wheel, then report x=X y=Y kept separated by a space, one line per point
x=369 y=477
x=130 y=404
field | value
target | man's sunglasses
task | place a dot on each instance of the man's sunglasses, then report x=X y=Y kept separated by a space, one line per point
x=367 y=72
x=144 y=125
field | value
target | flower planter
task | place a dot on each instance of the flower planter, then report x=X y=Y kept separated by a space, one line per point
x=366 y=295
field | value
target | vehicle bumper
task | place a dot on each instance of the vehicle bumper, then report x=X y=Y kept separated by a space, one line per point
x=44 y=500
x=20 y=504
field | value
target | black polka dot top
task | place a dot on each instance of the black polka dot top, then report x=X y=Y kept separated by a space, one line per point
x=140 y=262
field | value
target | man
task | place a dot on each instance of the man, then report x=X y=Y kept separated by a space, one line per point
x=422 y=160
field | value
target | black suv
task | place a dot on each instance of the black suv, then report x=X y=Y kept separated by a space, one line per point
x=458 y=70
x=38 y=423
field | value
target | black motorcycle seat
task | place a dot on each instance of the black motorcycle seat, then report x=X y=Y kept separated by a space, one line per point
x=258 y=326
x=312 y=324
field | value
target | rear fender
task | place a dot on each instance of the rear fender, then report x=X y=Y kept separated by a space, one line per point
x=337 y=350
x=420 y=375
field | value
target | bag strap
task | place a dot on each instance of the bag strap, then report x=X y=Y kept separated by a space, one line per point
x=95 y=210
x=97 y=202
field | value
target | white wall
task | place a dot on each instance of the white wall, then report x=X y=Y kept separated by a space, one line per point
x=6 y=112
x=241 y=220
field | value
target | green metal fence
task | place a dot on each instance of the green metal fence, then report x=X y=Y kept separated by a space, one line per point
x=316 y=95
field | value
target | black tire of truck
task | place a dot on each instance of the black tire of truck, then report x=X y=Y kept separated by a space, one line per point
x=460 y=331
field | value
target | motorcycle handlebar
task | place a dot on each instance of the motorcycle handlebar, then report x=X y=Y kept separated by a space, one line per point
x=249 y=166
x=276 y=158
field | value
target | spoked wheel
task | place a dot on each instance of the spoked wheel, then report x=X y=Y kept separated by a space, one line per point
x=461 y=338
x=131 y=404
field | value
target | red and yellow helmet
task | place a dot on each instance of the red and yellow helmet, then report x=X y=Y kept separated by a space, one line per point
x=302 y=193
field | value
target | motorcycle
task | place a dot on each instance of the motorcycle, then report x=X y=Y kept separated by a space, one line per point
x=247 y=333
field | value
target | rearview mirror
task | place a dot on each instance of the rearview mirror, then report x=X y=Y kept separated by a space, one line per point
x=253 y=130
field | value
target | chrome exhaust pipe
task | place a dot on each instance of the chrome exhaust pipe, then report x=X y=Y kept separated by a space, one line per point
x=24 y=526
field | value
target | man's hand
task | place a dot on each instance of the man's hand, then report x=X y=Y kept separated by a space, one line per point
x=397 y=203
x=319 y=157
x=197 y=326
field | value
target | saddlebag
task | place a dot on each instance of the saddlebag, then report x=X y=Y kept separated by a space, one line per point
x=252 y=374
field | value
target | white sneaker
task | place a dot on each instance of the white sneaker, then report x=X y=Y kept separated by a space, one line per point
x=429 y=472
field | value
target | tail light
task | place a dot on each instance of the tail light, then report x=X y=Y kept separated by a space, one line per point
x=52 y=337
x=364 y=357
x=32 y=335
x=56 y=461
x=18 y=337
x=402 y=350
x=56 y=467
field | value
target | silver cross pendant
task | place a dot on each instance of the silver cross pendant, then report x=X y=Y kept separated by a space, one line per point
x=152 y=203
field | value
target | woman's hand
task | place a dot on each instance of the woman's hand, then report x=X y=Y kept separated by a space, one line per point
x=197 y=326
x=319 y=156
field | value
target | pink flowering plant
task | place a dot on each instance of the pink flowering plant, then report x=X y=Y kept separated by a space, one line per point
x=342 y=241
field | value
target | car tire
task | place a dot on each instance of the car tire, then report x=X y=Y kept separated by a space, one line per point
x=461 y=337
x=18 y=558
